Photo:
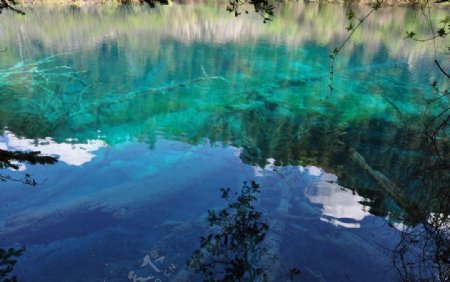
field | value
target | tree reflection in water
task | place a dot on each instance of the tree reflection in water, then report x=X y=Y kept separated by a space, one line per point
x=235 y=250
x=8 y=258
x=11 y=160
x=423 y=253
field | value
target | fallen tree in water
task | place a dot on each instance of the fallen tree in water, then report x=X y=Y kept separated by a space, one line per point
x=423 y=252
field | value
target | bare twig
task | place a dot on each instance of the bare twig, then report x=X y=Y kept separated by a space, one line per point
x=7 y=5
x=336 y=51
x=441 y=69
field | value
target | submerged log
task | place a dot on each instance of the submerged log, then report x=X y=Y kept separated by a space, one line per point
x=388 y=186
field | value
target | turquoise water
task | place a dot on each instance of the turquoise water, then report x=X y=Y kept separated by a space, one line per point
x=150 y=119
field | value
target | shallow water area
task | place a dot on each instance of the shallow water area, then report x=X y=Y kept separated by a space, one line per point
x=151 y=111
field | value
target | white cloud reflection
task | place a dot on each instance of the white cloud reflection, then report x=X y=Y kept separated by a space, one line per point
x=340 y=206
x=338 y=203
x=70 y=152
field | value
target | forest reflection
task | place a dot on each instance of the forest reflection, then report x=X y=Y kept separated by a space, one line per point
x=65 y=96
x=397 y=152
x=75 y=28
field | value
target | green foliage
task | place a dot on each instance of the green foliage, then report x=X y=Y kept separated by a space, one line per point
x=350 y=27
x=8 y=259
x=441 y=31
x=233 y=251
x=350 y=15
x=265 y=8
x=410 y=34
x=444 y=29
